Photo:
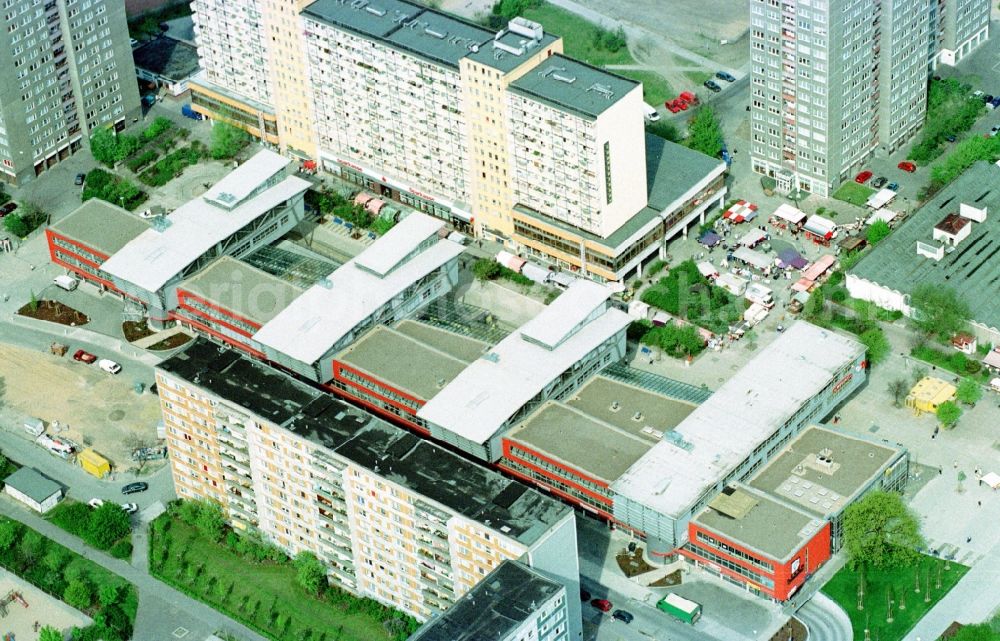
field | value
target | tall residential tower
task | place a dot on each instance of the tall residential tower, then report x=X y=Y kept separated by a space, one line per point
x=67 y=71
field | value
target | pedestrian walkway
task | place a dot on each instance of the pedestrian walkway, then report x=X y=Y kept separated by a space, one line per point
x=93 y=339
x=973 y=600
x=163 y=611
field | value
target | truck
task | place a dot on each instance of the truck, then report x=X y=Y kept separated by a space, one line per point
x=680 y=608
x=188 y=112
x=759 y=294
x=732 y=283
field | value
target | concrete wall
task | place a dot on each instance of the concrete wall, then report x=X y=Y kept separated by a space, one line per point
x=555 y=556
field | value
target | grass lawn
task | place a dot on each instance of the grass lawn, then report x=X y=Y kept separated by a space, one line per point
x=578 y=36
x=655 y=89
x=852 y=192
x=699 y=78
x=843 y=588
x=272 y=602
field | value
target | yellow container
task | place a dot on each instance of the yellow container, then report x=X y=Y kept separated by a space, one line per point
x=94 y=463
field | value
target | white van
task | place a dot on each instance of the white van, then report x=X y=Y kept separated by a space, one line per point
x=650 y=113
x=109 y=366
x=66 y=282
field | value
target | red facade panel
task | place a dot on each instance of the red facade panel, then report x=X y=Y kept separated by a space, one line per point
x=787 y=576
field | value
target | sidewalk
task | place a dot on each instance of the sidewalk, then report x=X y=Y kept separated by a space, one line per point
x=63 y=334
x=162 y=609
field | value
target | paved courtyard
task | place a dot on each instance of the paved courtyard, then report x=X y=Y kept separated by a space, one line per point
x=19 y=621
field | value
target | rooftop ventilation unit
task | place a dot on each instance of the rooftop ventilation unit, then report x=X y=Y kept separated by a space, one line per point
x=226 y=198
x=375 y=11
x=492 y=357
x=604 y=90
x=615 y=406
x=637 y=416
x=359 y=4
x=159 y=223
x=561 y=78
x=440 y=35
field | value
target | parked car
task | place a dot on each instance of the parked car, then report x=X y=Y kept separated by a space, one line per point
x=601 y=604
x=987 y=97
x=893 y=186
x=907 y=166
x=995 y=102
x=688 y=97
x=951 y=137
x=80 y=179
x=8 y=208
x=724 y=75
x=134 y=488
x=672 y=106
x=712 y=86
x=878 y=182
x=95 y=503
x=84 y=357
x=978 y=94
x=623 y=616
x=863 y=177
x=994 y=131
x=584 y=595
x=109 y=366
x=130 y=508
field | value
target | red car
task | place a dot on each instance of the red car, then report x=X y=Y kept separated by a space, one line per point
x=601 y=604
x=672 y=106
x=907 y=166
x=84 y=357
x=863 y=177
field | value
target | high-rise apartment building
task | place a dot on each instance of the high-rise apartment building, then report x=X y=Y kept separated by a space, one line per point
x=394 y=517
x=495 y=132
x=832 y=81
x=68 y=71
x=957 y=27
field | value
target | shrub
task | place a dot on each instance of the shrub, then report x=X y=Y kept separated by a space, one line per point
x=78 y=594
x=143 y=159
x=171 y=166
x=157 y=127
x=113 y=189
x=227 y=140
x=121 y=550
x=637 y=329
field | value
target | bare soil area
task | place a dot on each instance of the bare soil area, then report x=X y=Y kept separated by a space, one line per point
x=632 y=564
x=793 y=630
x=170 y=342
x=136 y=330
x=54 y=312
x=93 y=408
x=669 y=581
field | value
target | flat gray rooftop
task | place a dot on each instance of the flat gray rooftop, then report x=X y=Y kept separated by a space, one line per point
x=101 y=225
x=620 y=404
x=771 y=527
x=972 y=268
x=799 y=477
x=581 y=442
x=504 y=60
x=236 y=286
x=404 y=361
x=571 y=85
x=495 y=608
x=167 y=58
x=461 y=347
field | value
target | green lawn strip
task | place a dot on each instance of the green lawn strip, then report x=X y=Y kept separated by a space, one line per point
x=897 y=583
x=65 y=575
x=698 y=78
x=263 y=596
x=579 y=40
x=852 y=192
x=655 y=89
x=953 y=361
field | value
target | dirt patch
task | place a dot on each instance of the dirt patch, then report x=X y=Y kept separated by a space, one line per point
x=632 y=564
x=669 y=581
x=136 y=330
x=793 y=630
x=93 y=408
x=170 y=342
x=54 y=312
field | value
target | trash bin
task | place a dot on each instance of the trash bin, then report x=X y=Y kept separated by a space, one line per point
x=139 y=387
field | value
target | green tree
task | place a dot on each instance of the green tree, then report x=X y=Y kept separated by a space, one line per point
x=227 y=140
x=948 y=414
x=31 y=547
x=211 y=522
x=48 y=633
x=705 y=133
x=881 y=532
x=56 y=558
x=108 y=523
x=10 y=532
x=16 y=225
x=969 y=391
x=978 y=632
x=104 y=146
x=813 y=308
x=310 y=572
x=878 y=345
x=938 y=309
x=486 y=269
x=109 y=593
x=898 y=388
x=78 y=595
x=877 y=231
